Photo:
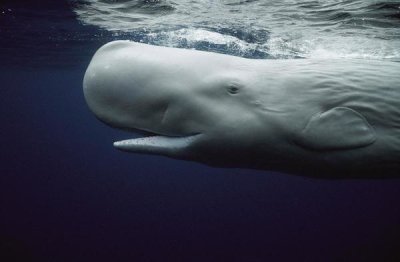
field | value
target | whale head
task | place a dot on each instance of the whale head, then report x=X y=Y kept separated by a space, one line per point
x=190 y=104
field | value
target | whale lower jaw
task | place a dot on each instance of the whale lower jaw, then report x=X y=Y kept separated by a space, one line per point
x=159 y=145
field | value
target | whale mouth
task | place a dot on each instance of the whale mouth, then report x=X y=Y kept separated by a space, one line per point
x=157 y=144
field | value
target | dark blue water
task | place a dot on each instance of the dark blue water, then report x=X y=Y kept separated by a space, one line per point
x=67 y=195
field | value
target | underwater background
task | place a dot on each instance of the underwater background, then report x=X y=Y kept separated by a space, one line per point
x=67 y=195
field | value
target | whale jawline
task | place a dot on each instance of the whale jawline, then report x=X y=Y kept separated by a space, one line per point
x=157 y=144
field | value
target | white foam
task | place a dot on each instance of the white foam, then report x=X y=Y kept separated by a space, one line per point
x=292 y=33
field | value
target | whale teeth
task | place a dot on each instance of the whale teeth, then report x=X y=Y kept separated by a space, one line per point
x=162 y=145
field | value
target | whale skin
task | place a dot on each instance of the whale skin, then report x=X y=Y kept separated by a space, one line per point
x=324 y=118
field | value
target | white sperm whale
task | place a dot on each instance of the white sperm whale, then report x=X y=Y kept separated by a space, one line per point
x=322 y=118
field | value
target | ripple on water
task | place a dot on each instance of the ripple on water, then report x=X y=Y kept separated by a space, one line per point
x=253 y=29
x=258 y=29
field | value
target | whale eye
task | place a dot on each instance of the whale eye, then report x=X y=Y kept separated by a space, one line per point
x=233 y=89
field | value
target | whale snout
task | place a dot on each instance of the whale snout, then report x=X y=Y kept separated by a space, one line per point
x=134 y=87
x=129 y=86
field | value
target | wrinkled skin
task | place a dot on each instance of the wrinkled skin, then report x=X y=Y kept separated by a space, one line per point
x=320 y=118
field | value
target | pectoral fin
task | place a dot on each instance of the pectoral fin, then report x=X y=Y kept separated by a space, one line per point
x=336 y=129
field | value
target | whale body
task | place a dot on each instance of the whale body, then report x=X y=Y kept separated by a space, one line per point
x=336 y=118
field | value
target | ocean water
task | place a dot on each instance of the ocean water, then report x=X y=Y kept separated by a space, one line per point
x=67 y=195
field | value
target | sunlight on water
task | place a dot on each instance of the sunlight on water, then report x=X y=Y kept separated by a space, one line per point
x=258 y=29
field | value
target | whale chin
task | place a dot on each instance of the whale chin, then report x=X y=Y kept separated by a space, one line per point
x=172 y=146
